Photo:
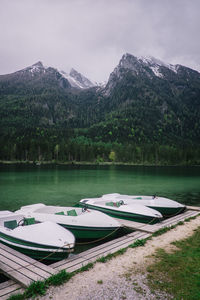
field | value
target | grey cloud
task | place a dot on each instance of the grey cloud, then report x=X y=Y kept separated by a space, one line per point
x=91 y=36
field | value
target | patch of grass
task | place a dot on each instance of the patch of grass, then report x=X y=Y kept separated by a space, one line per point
x=178 y=273
x=39 y=287
x=180 y=223
x=85 y=268
x=17 y=297
x=108 y=257
x=138 y=289
x=36 y=288
x=161 y=231
x=191 y=218
x=100 y=281
x=59 y=278
x=138 y=243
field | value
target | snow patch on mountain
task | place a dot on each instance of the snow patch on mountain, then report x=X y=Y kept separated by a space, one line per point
x=154 y=64
x=71 y=80
x=77 y=80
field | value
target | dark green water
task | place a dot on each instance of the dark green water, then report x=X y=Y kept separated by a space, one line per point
x=66 y=185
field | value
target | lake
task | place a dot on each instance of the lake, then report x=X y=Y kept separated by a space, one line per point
x=66 y=185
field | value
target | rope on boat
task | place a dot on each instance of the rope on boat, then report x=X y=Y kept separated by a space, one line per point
x=100 y=239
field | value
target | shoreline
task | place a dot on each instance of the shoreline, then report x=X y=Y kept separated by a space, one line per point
x=86 y=163
x=124 y=276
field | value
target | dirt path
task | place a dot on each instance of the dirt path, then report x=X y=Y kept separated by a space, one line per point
x=124 y=276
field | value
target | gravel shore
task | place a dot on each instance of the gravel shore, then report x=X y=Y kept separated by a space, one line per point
x=123 y=277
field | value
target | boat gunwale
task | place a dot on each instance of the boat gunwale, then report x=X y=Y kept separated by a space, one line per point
x=124 y=214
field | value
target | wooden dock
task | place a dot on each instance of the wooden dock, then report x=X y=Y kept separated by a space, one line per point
x=142 y=231
x=23 y=270
x=168 y=222
x=77 y=261
x=9 y=288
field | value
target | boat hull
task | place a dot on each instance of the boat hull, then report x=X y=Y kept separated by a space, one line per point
x=36 y=251
x=91 y=233
x=168 y=212
x=83 y=224
x=167 y=207
x=124 y=215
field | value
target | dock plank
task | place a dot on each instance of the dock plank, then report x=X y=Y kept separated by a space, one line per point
x=136 y=225
x=23 y=264
x=152 y=228
x=178 y=218
x=21 y=268
x=27 y=259
x=194 y=208
x=91 y=256
x=11 y=293
x=9 y=288
x=91 y=250
x=90 y=259
x=15 y=275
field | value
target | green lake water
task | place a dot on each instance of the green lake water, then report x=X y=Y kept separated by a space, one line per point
x=66 y=185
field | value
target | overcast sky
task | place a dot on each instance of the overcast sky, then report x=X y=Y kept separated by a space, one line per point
x=92 y=35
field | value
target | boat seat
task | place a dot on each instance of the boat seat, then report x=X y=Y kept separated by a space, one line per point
x=10 y=224
x=116 y=204
x=60 y=213
x=109 y=203
x=29 y=221
x=72 y=213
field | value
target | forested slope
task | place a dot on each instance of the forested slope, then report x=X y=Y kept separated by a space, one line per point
x=147 y=113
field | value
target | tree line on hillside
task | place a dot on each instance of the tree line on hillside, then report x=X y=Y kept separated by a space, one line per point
x=54 y=147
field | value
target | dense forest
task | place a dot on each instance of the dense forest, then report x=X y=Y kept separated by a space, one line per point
x=139 y=119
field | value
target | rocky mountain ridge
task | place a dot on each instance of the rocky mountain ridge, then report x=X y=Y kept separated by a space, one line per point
x=144 y=101
x=73 y=79
x=146 y=67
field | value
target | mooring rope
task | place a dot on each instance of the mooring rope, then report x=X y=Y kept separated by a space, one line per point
x=100 y=239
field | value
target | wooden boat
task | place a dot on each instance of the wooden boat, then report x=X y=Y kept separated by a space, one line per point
x=165 y=206
x=119 y=209
x=83 y=223
x=45 y=240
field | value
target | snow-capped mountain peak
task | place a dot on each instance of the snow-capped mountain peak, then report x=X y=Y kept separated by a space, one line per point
x=34 y=69
x=143 y=65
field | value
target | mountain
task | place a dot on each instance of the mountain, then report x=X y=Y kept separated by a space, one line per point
x=146 y=100
x=146 y=104
x=48 y=76
x=36 y=76
x=42 y=96
x=148 y=68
